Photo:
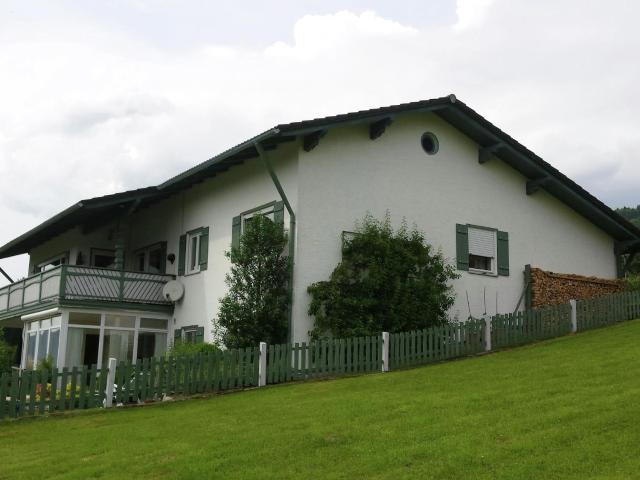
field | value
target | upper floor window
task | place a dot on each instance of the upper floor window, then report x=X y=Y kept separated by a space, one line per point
x=53 y=262
x=194 y=251
x=103 y=258
x=274 y=211
x=482 y=250
x=151 y=259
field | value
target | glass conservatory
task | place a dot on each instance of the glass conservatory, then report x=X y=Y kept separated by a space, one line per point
x=73 y=338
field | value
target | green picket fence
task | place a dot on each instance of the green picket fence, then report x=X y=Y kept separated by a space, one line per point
x=153 y=379
x=29 y=393
x=324 y=358
x=530 y=326
x=607 y=310
x=435 y=344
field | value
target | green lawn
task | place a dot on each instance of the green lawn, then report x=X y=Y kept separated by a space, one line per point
x=567 y=408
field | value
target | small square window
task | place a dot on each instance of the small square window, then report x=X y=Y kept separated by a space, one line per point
x=482 y=251
x=189 y=336
x=478 y=262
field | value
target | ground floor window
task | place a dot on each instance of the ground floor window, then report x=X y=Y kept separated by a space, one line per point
x=151 y=344
x=117 y=344
x=82 y=346
x=189 y=334
x=42 y=340
x=91 y=338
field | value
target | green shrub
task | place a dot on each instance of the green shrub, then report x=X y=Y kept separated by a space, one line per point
x=632 y=282
x=387 y=281
x=181 y=348
x=45 y=364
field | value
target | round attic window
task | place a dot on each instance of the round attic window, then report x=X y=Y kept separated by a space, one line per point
x=429 y=143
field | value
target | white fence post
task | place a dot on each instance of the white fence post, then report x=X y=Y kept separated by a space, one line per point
x=262 y=366
x=574 y=316
x=385 y=351
x=487 y=334
x=111 y=380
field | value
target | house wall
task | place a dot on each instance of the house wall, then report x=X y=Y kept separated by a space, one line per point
x=348 y=175
x=213 y=203
x=337 y=183
x=72 y=242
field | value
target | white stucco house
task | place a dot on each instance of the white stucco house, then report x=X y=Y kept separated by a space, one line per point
x=492 y=206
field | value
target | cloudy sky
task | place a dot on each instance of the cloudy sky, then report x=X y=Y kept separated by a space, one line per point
x=102 y=96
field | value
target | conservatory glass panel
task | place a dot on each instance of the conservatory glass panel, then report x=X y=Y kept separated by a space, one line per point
x=117 y=344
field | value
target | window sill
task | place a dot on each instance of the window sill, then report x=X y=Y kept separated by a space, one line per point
x=483 y=272
x=190 y=274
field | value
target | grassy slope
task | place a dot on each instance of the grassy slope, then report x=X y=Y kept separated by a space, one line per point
x=567 y=408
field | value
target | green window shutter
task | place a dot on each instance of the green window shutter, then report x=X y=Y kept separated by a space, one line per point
x=236 y=227
x=204 y=249
x=278 y=213
x=462 y=246
x=503 y=253
x=182 y=254
x=200 y=335
x=177 y=335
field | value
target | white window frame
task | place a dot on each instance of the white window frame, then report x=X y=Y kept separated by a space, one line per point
x=100 y=251
x=266 y=210
x=192 y=253
x=63 y=258
x=493 y=272
x=189 y=330
x=146 y=251
x=102 y=327
x=37 y=330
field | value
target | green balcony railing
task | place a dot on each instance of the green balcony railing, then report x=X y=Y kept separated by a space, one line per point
x=76 y=284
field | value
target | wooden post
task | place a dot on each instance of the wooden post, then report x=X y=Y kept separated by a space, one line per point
x=262 y=365
x=487 y=334
x=574 y=316
x=111 y=379
x=385 y=351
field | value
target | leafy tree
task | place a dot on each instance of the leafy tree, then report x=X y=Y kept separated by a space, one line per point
x=387 y=281
x=255 y=308
x=630 y=213
x=633 y=215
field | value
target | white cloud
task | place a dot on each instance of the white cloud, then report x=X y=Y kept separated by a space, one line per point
x=88 y=110
x=471 y=13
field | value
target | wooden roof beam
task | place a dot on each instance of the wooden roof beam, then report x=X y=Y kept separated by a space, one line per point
x=485 y=153
x=311 y=140
x=535 y=184
x=376 y=129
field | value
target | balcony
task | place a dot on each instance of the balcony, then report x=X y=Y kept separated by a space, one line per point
x=69 y=285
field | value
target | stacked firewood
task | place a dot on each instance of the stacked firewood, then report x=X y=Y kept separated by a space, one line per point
x=549 y=288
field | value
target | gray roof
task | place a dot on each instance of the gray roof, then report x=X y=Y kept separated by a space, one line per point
x=449 y=108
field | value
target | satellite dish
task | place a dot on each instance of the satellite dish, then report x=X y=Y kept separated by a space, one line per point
x=173 y=290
